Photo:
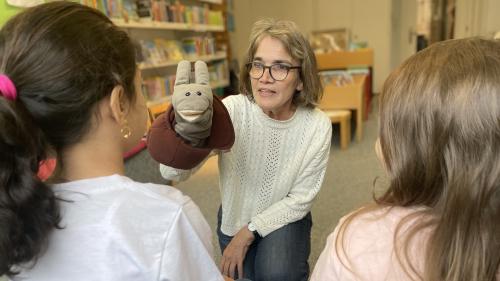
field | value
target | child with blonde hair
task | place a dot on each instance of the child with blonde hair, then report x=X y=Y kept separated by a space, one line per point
x=439 y=140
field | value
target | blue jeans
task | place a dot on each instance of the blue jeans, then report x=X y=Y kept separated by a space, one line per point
x=280 y=256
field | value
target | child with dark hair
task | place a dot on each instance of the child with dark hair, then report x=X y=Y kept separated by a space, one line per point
x=70 y=89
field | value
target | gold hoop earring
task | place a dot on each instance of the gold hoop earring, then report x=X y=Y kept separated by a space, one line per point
x=125 y=131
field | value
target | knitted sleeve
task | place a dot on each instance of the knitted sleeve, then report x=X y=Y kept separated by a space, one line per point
x=299 y=200
x=174 y=174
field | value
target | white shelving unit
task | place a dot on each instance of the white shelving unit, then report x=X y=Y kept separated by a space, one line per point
x=208 y=58
x=146 y=29
x=212 y=1
x=170 y=30
x=168 y=26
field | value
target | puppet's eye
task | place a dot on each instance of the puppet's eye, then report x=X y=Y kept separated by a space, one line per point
x=188 y=94
x=198 y=93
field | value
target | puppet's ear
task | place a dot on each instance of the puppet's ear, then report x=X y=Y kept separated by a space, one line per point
x=183 y=72
x=201 y=73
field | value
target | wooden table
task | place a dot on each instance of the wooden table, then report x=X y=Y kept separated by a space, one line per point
x=348 y=96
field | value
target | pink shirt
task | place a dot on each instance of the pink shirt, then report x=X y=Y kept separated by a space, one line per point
x=369 y=246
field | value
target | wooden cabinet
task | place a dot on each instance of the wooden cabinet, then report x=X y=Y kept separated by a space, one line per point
x=353 y=96
x=350 y=96
x=345 y=59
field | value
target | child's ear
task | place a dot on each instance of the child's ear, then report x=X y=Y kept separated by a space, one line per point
x=118 y=103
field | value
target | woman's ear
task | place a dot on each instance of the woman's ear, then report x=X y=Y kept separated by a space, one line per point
x=118 y=103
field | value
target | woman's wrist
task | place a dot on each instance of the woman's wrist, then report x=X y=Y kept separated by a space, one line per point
x=244 y=236
x=251 y=227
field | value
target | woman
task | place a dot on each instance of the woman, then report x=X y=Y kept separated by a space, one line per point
x=69 y=87
x=274 y=170
x=439 y=140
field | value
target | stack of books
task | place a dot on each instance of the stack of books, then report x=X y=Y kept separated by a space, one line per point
x=198 y=46
x=157 y=88
x=157 y=10
x=218 y=72
x=160 y=50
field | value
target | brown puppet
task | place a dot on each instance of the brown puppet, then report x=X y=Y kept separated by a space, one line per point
x=192 y=103
x=193 y=125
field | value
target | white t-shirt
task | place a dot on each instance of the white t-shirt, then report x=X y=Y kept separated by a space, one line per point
x=118 y=229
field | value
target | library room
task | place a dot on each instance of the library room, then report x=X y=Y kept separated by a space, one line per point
x=250 y=140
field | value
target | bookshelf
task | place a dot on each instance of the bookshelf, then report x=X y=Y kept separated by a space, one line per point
x=212 y=1
x=171 y=63
x=169 y=26
x=170 y=31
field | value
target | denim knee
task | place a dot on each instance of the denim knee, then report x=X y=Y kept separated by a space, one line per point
x=279 y=274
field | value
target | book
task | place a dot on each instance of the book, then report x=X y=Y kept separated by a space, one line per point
x=143 y=9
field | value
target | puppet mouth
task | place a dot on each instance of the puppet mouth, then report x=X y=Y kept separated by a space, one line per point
x=190 y=115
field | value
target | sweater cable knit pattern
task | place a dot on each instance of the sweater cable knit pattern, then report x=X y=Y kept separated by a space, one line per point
x=274 y=169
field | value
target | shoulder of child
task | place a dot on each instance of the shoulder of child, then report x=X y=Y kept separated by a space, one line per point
x=162 y=192
x=384 y=217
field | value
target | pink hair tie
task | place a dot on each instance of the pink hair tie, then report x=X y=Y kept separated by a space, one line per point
x=7 y=88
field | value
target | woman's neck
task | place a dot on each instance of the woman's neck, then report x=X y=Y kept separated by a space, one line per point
x=283 y=114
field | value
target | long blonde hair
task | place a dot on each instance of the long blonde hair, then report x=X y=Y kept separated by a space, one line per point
x=440 y=138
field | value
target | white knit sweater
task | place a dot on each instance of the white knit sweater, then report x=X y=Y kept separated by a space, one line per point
x=274 y=169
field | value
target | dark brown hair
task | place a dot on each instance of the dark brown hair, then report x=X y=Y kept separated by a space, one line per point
x=440 y=139
x=63 y=58
x=299 y=49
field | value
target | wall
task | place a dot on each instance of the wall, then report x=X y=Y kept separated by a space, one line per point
x=6 y=11
x=492 y=11
x=246 y=12
x=480 y=17
x=372 y=23
x=396 y=37
x=367 y=20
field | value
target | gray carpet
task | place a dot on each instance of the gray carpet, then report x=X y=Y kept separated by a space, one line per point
x=348 y=184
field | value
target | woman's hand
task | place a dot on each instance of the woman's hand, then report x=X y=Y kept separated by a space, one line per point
x=235 y=253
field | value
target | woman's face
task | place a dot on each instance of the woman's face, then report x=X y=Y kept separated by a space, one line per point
x=138 y=115
x=275 y=97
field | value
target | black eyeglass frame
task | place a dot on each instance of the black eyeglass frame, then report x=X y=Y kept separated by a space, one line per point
x=288 y=68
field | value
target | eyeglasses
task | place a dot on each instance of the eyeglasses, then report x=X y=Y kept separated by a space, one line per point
x=278 y=71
